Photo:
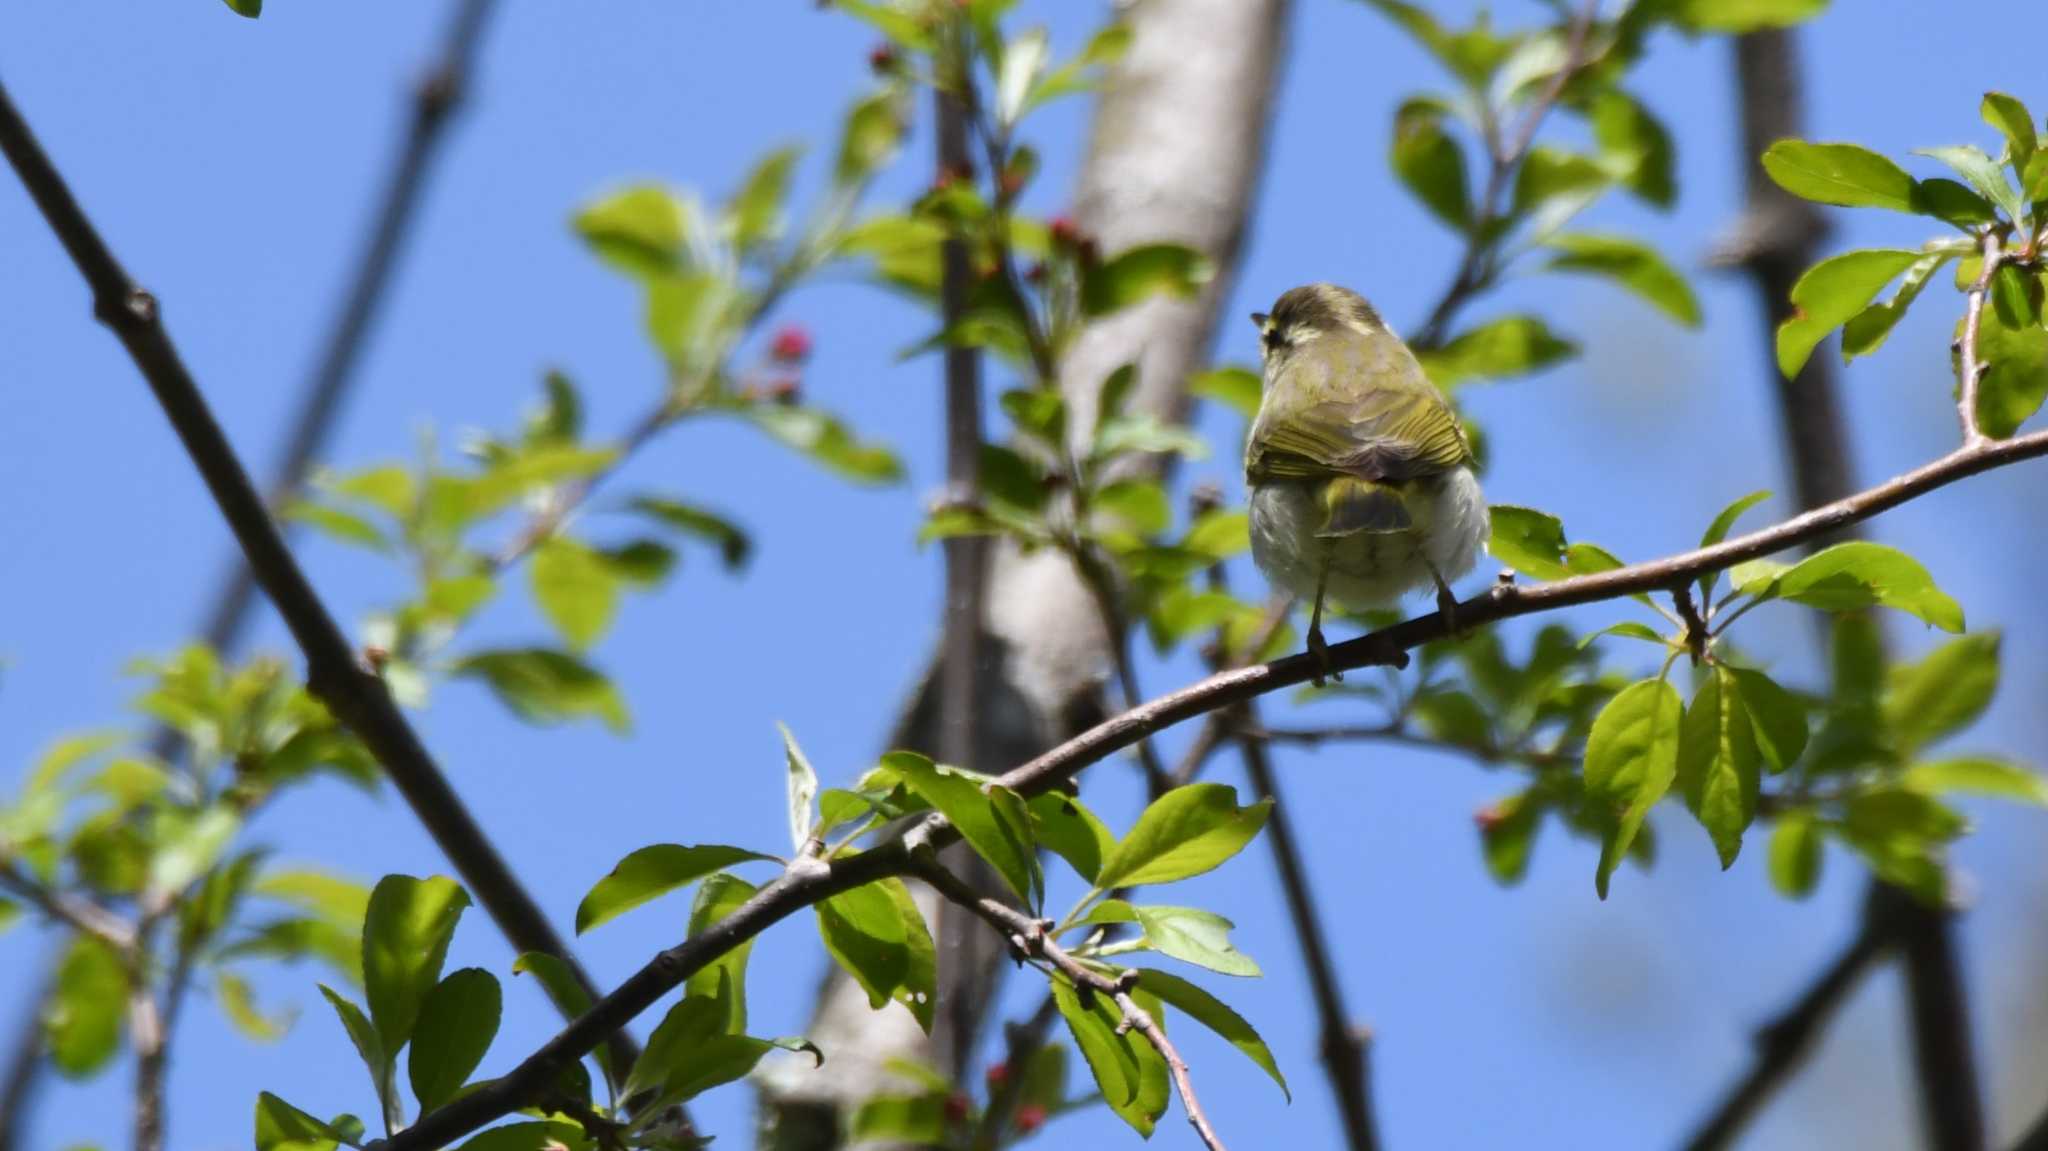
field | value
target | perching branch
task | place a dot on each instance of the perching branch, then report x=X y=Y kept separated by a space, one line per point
x=439 y=94
x=355 y=695
x=1030 y=936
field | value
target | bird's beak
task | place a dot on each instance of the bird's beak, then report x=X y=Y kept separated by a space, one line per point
x=1259 y=318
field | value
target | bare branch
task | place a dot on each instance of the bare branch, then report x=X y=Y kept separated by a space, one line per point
x=24 y=1062
x=1030 y=935
x=1973 y=366
x=80 y=914
x=356 y=696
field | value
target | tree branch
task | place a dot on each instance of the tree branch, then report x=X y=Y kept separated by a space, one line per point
x=356 y=696
x=81 y=915
x=25 y=1060
x=1973 y=365
x=1031 y=938
x=439 y=93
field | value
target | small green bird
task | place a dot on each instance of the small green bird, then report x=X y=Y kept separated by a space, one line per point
x=1361 y=480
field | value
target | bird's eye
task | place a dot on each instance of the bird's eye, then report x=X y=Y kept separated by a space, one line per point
x=1273 y=339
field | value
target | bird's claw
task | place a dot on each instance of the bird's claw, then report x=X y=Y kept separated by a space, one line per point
x=1320 y=649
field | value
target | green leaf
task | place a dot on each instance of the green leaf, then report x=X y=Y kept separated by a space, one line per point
x=755 y=214
x=334 y=523
x=1211 y=1012
x=1860 y=574
x=544 y=686
x=576 y=589
x=405 y=941
x=2012 y=119
x=1072 y=832
x=1983 y=173
x=1529 y=541
x=1844 y=174
x=82 y=1022
x=913 y=1120
x=828 y=441
x=1631 y=264
x=283 y=1127
x=1552 y=180
x=864 y=932
x=734 y=548
x=919 y=990
x=1129 y=1073
x=2017 y=381
x=1866 y=331
x=872 y=132
x=238 y=1002
x=1430 y=163
x=1777 y=718
x=250 y=8
x=1024 y=57
x=1507 y=833
x=342 y=900
x=1192 y=935
x=1736 y=16
x=689 y=316
x=456 y=1025
x=1977 y=775
x=991 y=818
x=1942 y=693
x=1795 y=855
x=377 y=1057
x=1144 y=432
x=1509 y=346
x=190 y=848
x=650 y=873
x=1238 y=389
x=1634 y=147
x=1137 y=274
x=718 y=897
x=1631 y=760
x=1187 y=831
x=802 y=791
x=638 y=229
x=1718 y=763
x=1718 y=531
x=1830 y=294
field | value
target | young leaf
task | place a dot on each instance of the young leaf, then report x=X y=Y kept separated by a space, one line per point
x=1529 y=541
x=1830 y=294
x=1633 y=265
x=637 y=229
x=1236 y=388
x=863 y=930
x=2017 y=381
x=1843 y=174
x=734 y=548
x=531 y=1135
x=543 y=686
x=1509 y=346
x=334 y=523
x=238 y=1002
x=803 y=791
x=1211 y=1012
x=992 y=819
x=1634 y=147
x=828 y=441
x=1187 y=831
x=1429 y=162
x=919 y=990
x=1942 y=693
x=456 y=1025
x=1194 y=936
x=1631 y=759
x=1984 y=174
x=1129 y=1073
x=1507 y=833
x=650 y=873
x=377 y=1058
x=719 y=896
x=1137 y=274
x=405 y=941
x=755 y=214
x=2011 y=118
x=1718 y=531
x=283 y=1127
x=1717 y=763
x=1072 y=832
x=1860 y=574
x=1978 y=776
x=576 y=589
x=82 y=1024
x=1777 y=719
x=1866 y=331
x=1795 y=855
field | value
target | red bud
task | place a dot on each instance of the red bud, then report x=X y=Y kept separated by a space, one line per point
x=997 y=1074
x=791 y=345
x=957 y=1107
x=1030 y=1117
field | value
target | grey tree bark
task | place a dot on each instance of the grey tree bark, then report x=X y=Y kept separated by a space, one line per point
x=1177 y=149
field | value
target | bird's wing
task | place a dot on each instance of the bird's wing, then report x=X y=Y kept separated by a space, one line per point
x=1400 y=429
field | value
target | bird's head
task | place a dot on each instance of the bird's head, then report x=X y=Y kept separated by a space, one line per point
x=1302 y=315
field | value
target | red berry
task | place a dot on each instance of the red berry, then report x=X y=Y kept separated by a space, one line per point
x=1030 y=1117
x=997 y=1074
x=791 y=345
x=957 y=1107
x=1064 y=231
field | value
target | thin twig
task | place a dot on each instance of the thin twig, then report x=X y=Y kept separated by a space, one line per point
x=1217 y=728
x=1020 y=1043
x=1696 y=633
x=1784 y=1042
x=355 y=695
x=24 y=1062
x=1031 y=936
x=1973 y=365
x=1504 y=159
x=439 y=93
x=76 y=912
x=1532 y=758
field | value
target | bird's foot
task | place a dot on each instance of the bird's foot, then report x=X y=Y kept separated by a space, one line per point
x=1320 y=649
x=1447 y=607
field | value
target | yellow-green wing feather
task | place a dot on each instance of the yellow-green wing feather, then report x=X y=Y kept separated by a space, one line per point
x=1357 y=407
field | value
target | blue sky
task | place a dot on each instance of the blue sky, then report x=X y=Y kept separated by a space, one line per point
x=231 y=164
